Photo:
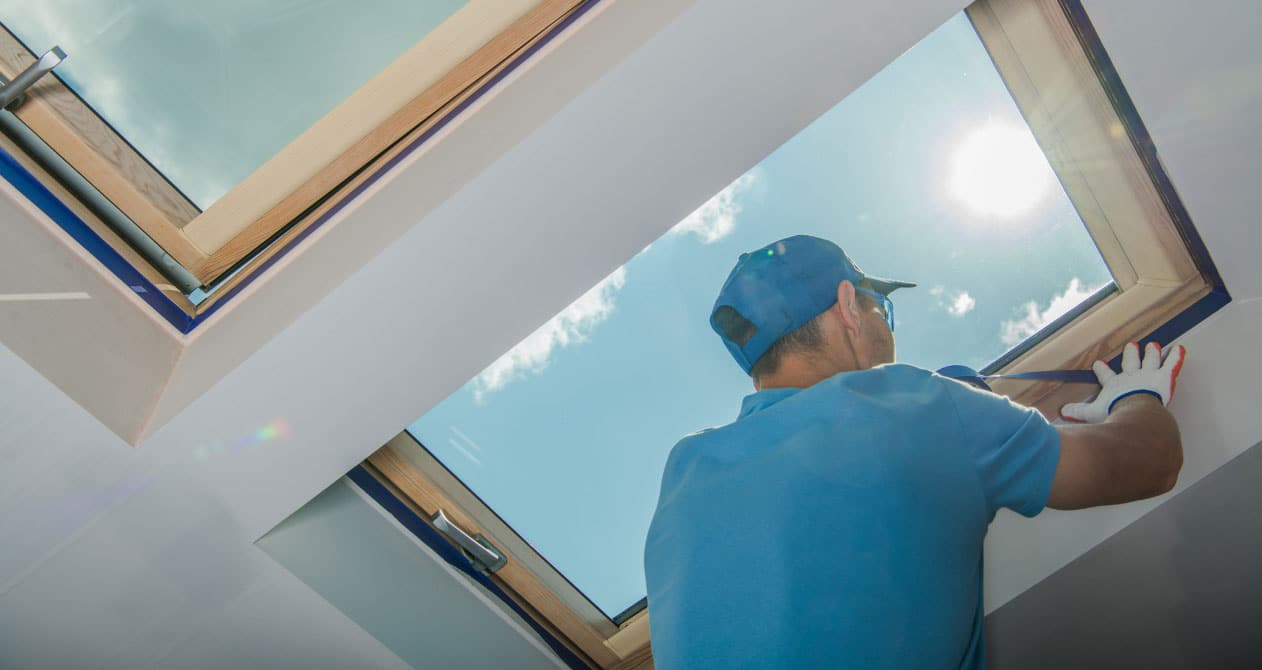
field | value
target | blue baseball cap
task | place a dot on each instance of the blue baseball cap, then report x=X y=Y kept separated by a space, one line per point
x=774 y=290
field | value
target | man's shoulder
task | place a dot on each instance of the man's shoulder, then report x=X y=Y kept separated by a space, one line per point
x=702 y=435
x=690 y=443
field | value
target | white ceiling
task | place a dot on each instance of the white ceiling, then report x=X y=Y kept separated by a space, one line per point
x=122 y=557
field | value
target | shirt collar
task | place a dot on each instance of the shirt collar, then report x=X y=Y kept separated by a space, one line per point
x=761 y=400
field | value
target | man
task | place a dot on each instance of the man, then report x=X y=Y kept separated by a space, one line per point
x=838 y=522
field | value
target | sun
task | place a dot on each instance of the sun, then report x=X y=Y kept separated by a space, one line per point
x=999 y=172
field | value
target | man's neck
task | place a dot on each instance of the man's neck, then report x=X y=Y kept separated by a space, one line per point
x=799 y=373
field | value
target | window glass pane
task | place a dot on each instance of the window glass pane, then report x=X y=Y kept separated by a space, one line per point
x=927 y=173
x=208 y=91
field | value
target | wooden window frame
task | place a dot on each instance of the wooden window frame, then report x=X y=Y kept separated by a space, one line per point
x=312 y=173
x=1037 y=49
x=1039 y=53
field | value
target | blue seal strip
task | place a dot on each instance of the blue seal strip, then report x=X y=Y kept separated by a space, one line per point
x=454 y=557
x=63 y=216
x=970 y=376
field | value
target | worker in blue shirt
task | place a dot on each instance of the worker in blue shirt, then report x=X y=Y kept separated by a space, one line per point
x=838 y=521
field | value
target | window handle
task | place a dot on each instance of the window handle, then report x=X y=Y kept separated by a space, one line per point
x=12 y=91
x=486 y=558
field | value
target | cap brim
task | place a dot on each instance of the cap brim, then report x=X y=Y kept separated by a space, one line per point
x=887 y=286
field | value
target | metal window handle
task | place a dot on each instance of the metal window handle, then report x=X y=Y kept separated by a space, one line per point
x=12 y=91
x=484 y=554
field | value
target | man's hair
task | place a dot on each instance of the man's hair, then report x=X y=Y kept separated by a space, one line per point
x=807 y=338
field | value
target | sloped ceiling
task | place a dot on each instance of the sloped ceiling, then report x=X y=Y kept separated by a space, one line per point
x=118 y=557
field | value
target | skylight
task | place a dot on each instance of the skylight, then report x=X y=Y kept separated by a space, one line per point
x=926 y=173
x=209 y=91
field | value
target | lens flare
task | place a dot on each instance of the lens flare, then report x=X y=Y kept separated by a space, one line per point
x=276 y=429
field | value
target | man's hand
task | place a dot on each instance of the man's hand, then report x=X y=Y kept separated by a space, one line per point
x=1129 y=449
x=1151 y=377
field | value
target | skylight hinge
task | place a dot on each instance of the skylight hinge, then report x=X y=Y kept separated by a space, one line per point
x=484 y=555
x=14 y=91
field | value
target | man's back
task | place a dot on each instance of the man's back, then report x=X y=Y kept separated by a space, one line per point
x=840 y=525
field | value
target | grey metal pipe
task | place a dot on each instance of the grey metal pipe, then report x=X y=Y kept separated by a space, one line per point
x=112 y=216
x=13 y=91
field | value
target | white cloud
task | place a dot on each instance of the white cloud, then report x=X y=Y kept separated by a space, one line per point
x=573 y=325
x=1013 y=332
x=956 y=303
x=964 y=303
x=711 y=222
x=716 y=219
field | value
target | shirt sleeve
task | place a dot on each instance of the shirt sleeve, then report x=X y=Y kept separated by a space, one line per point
x=1014 y=449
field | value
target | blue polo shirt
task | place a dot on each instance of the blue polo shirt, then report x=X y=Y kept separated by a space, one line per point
x=840 y=526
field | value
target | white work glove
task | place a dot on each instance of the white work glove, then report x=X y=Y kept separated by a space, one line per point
x=1151 y=377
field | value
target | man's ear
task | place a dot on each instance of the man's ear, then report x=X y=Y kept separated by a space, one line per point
x=848 y=307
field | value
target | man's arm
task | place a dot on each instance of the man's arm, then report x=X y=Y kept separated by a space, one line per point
x=1134 y=454
x=1130 y=449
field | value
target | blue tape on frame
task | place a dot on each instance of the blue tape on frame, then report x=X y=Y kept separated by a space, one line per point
x=55 y=209
x=453 y=556
x=968 y=375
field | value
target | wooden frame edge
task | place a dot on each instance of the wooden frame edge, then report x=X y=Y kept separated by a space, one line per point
x=641 y=659
x=419 y=491
x=226 y=246
x=1099 y=334
x=632 y=638
x=416 y=456
x=369 y=171
x=1037 y=51
x=526 y=606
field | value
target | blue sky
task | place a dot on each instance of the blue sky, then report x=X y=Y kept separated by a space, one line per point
x=566 y=436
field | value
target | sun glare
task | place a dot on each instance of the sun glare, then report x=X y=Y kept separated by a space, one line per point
x=999 y=172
